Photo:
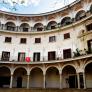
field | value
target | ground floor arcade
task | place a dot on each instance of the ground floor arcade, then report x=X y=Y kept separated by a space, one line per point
x=52 y=76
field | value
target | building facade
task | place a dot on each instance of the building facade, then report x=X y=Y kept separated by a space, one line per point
x=59 y=44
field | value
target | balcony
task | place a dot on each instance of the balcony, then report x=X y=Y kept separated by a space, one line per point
x=44 y=60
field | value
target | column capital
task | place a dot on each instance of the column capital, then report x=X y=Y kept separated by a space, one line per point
x=11 y=73
x=44 y=74
x=60 y=72
x=28 y=74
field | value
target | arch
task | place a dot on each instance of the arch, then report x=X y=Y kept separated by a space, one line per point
x=52 y=66
x=10 y=26
x=6 y=67
x=52 y=25
x=5 y=74
x=69 y=76
x=52 y=77
x=24 y=27
x=35 y=68
x=88 y=74
x=36 y=77
x=66 y=21
x=20 y=78
x=80 y=15
x=90 y=61
x=38 y=27
x=69 y=65
x=19 y=67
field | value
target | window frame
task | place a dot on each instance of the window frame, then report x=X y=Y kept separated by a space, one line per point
x=8 y=39
x=37 y=40
x=52 y=39
x=23 y=40
x=66 y=36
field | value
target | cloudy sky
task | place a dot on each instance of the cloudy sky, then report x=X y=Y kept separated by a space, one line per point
x=32 y=6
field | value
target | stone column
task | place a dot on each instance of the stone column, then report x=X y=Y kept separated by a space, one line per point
x=78 y=80
x=11 y=81
x=84 y=81
x=28 y=79
x=17 y=28
x=2 y=26
x=44 y=81
x=44 y=28
x=61 y=86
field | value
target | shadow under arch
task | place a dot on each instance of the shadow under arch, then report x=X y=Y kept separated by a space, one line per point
x=80 y=15
x=36 y=78
x=5 y=75
x=20 y=78
x=69 y=77
x=88 y=74
x=52 y=77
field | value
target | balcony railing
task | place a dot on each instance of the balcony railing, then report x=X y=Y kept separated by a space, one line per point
x=13 y=59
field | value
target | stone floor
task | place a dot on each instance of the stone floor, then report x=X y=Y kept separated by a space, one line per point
x=43 y=90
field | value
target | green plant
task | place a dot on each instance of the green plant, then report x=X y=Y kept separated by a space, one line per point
x=77 y=53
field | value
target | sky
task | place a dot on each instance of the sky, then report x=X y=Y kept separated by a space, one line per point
x=32 y=6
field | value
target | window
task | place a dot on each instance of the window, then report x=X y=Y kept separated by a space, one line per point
x=21 y=56
x=67 y=53
x=8 y=39
x=52 y=39
x=37 y=40
x=52 y=55
x=23 y=40
x=67 y=35
x=89 y=27
x=5 y=56
x=36 y=56
x=89 y=43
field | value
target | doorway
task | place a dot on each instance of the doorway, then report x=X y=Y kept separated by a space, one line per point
x=19 y=82
x=73 y=81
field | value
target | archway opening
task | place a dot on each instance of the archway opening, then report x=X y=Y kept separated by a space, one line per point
x=24 y=27
x=69 y=77
x=80 y=15
x=20 y=78
x=88 y=75
x=52 y=78
x=52 y=25
x=38 y=27
x=10 y=26
x=66 y=21
x=36 y=78
x=4 y=77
